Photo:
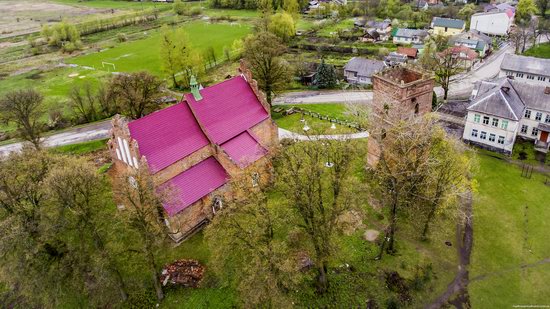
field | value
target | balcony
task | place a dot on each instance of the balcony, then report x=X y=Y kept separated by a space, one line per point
x=541 y=146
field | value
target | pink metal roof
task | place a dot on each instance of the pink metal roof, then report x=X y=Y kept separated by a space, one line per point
x=227 y=109
x=195 y=183
x=167 y=136
x=243 y=149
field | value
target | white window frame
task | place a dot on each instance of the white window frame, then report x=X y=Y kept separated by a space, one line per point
x=504 y=124
x=483 y=135
x=524 y=128
x=492 y=137
x=538 y=116
x=500 y=140
x=474 y=133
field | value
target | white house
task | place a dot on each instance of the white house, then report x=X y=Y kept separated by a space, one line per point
x=505 y=108
x=360 y=70
x=493 y=22
x=409 y=36
x=528 y=69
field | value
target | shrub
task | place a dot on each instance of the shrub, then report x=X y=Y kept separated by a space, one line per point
x=195 y=11
x=180 y=8
x=121 y=37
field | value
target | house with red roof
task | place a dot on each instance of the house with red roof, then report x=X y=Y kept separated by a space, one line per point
x=197 y=145
x=467 y=57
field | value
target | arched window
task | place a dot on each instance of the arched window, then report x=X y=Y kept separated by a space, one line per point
x=255 y=179
x=416 y=107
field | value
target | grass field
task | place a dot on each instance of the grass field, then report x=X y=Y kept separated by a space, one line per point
x=55 y=85
x=144 y=54
x=318 y=126
x=541 y=51
x=113 y=4
x=333 y=110
x=511 y=224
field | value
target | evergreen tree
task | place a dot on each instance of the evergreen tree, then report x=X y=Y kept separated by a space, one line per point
x=325 y=77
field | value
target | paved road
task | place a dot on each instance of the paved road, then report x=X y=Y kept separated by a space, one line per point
x=334 y=96
x=94 y=131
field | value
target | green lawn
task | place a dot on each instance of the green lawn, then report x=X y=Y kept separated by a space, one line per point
x=81 y=148
x=333 y=110
x=54 y=85
x=541 y=51
x=144 y=54
x=330 y=30
x=318 y=126
x=511 y=224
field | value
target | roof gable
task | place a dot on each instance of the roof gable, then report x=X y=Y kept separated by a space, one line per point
x=167 y=136
x=243 y=149
x=533 y=65
x=363 y=66
x=499 y=99
x=227 y=109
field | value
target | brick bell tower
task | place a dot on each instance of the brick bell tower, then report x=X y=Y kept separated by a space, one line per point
x=406 y=88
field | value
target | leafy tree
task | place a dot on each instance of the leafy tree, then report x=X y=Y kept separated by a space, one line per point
x=467 y=11
x=24 y=108
x=444 y=64
x=525 y=11
x=143 y=216
x=542 y=6
x=178 y=57
x=248 y=249
x=317 y=180
x=282 y=25
x=136 y=94
x=325 y=77
x=292 y=7
x=63 y=34
x=263 y=53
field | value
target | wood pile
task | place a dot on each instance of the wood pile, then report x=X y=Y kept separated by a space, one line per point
x=186 y=273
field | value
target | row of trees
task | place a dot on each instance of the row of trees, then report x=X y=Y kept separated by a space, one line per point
x=133 y=95
x=64 y=244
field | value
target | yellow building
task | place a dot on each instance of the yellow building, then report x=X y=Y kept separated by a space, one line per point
x=447 y=26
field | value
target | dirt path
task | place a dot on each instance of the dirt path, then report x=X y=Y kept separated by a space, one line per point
x=465 y=240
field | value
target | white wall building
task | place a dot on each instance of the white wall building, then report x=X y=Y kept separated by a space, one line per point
x=492 y=23
x=505 y=108
x=527 y=69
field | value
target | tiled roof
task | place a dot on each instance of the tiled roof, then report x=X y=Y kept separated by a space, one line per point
x=409 y=51
x=447 y=22
x=227 y=109
x=167 y=136
x=462 y=52
x=524 y=64
x=195 y=183
x=243 y=149
x=363 y=66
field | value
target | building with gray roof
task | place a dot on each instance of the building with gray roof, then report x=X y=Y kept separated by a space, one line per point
x=360 y=70
x=505 y=108
x=529 y=69
x=409 y=36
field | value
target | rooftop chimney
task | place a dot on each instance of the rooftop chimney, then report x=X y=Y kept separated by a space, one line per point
x=505 y=89
x=547 y=90
x=195 y=91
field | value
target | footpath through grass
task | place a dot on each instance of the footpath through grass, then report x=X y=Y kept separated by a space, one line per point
x=144 y=55
x=511 y=224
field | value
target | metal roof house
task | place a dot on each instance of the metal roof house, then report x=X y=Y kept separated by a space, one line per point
x=505 y=108
x=409 y=36
x=360 y=70
x=447 y=26
x=196 y=146
x=528 y=69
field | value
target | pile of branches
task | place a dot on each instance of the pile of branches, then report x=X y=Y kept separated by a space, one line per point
x=186 y=273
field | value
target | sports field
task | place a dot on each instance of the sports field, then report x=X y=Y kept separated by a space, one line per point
x=145 y=54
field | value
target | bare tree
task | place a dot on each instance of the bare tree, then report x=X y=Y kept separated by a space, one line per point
x=24 y=107
x=136 y=94
x=318 y=185
x=83 y=102
x=446 y=65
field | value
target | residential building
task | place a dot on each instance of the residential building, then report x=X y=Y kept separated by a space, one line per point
x=466 y=56
x=394 y=58
x=524 y=68
x=409 y=36
x=371 y=35
x=360 y=70
x=447 y=26
x=506 y=108
x=196 y=146
x=475 y=40
x=492 y=22
x=410 y=52
x=382 y=28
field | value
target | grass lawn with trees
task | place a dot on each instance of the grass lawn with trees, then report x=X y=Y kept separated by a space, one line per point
x=511 y=223
x=144 y=54
x=541 y=50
